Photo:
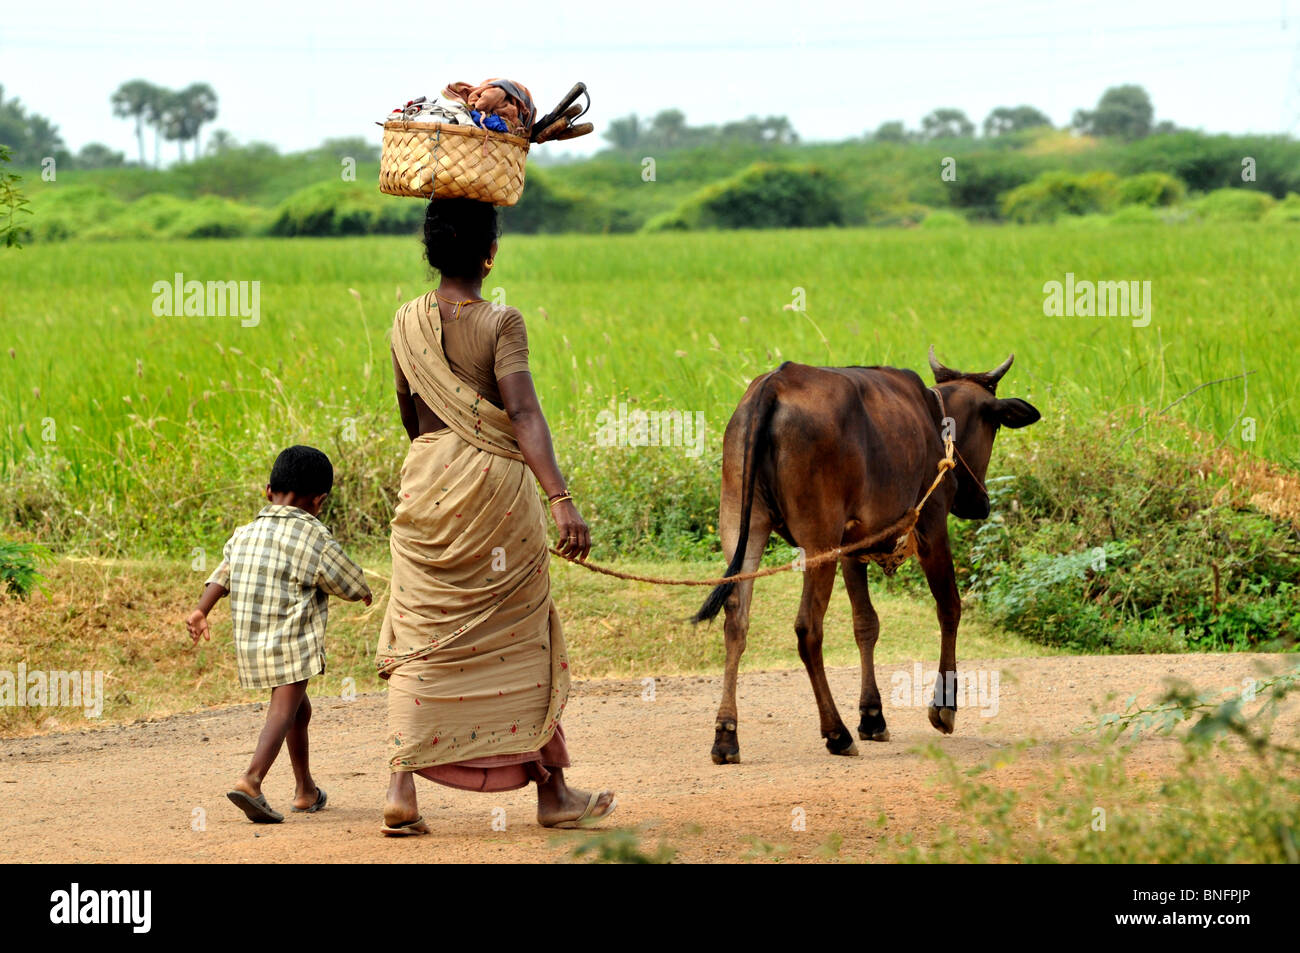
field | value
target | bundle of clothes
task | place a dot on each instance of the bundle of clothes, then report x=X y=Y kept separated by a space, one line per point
x=501 y=105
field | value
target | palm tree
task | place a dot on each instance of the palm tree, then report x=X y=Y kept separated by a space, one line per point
x=155 y=114
x=200 y=101
x=131 y=101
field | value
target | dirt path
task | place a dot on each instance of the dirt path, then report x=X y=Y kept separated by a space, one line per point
x=129 y=794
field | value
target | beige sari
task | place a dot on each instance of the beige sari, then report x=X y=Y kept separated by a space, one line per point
x=471 y=644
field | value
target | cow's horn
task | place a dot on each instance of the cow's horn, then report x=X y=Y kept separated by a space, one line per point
x=941 y=373
x=995 y=375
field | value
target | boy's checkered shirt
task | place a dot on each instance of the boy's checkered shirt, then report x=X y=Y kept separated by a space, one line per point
x=280 y=571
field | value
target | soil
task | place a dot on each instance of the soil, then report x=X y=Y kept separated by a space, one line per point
x=155 y=791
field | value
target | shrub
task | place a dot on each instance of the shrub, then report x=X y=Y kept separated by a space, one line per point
x=762 y=196
x=1285 y=212
x=19 y=575
x=1234 y=205
x=1136 y=543
x=345 y=208
x=1054 y=194
x=1136 y=215
x=545 y=207
x=1151 y=189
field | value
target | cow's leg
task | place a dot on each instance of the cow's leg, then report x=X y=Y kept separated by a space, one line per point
x=726 y=743
x=817 y=585
x=866 y=629
x=936 y=560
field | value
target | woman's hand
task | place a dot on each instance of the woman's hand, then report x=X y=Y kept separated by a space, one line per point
x=575 y=538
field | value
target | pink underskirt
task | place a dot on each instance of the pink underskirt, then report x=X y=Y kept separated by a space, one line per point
x=503 y=772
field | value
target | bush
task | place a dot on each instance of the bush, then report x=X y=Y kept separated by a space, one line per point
x=1233 y=795
x=545 y=207
x=1285 y=212
x=1151 y=189
x=1054 y=194
x=345 y=208
x=762 y=196
x=19 y=575
x=1136 y=215
x=63 y=212
x=1234 y=205
x=1136 y=544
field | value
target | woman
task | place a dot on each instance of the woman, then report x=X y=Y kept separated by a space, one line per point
x=471 y=644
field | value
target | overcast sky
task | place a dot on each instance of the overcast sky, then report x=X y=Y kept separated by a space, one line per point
x=294 y=75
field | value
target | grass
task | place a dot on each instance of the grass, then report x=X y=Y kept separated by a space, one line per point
x=126 y=618
x=127 y=434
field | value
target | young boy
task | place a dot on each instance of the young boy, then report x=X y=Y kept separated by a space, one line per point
x=280 y=571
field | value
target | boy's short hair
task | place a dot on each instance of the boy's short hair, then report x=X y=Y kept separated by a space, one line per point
x=302 y=470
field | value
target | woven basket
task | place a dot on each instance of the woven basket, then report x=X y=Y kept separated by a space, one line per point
x=448 y=161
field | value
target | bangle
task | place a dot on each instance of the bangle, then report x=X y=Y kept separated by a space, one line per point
x=556 y=496
x=561 y=498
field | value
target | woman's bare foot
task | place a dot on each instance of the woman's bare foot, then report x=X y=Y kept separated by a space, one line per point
x=402 y=806
x=557 y=803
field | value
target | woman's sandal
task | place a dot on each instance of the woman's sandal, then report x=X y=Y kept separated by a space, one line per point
x=586 y=818
x=319 y=803
x=405 y=828
x=255 y=808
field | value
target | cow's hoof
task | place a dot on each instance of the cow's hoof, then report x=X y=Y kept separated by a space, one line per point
x=872 y=726
x=726 y=746
x=841 y=742
x=943 y=719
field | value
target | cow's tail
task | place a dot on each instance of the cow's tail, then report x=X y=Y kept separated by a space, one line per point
x=756 y=438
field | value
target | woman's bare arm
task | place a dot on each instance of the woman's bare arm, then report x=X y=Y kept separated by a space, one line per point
x=534 y=437
x=405 y=403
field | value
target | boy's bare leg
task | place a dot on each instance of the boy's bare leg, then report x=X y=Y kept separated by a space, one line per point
x=305 y=792
x=280 y=715
x=401 y=805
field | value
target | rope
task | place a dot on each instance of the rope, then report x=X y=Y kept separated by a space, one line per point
x=899 y=530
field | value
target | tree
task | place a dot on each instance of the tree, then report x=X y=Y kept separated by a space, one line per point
x=1008 y=119
x=96 y=155
x=1123 y=111
x=892 y=131
x=668 y=128
x=155 y=114
x=131 y=100
x=947 y=124
x=221 y=141
x=31 y=137
x=200 y=103
x=624 y=133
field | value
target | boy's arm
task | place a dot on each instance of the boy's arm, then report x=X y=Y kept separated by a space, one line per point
x=218 y=585
x=340 y=576
x=197 y=622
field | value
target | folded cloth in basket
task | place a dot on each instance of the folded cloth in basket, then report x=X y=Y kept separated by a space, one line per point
x=501 y=97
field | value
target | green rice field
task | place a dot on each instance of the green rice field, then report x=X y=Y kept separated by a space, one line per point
x=125 y=432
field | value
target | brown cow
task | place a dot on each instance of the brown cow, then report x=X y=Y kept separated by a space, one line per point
x=829 y=456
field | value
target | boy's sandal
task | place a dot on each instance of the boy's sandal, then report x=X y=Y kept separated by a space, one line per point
x=255 y=808
x=319 y=803
x=587 y=818
x=405 y=828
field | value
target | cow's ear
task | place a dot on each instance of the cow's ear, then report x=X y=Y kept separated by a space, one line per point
x=1015 y=413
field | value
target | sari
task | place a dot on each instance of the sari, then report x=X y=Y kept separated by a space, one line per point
x=471 y=644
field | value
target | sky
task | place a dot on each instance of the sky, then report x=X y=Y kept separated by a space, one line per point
x=295 y=75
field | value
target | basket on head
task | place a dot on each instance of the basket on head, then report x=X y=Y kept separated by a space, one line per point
x=447 y=161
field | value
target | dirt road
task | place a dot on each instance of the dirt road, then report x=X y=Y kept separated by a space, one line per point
x=134 y=793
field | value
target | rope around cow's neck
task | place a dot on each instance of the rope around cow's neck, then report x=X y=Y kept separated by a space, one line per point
x=898 y=531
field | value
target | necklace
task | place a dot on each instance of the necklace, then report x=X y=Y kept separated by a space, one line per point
x=456 y=313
